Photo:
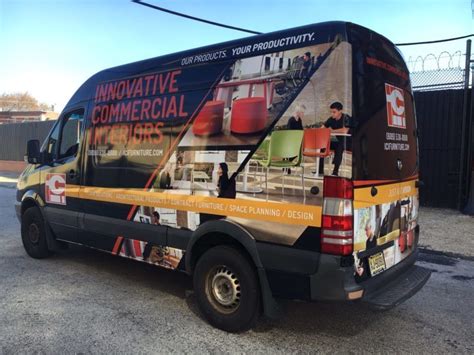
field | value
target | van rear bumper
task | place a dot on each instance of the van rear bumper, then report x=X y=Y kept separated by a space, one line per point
x=390 y=288
x=399 y=289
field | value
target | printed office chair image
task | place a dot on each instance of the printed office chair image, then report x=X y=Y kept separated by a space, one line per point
x=316 y=143
x=284 y=152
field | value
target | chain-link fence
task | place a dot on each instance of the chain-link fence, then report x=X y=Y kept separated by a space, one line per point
x=438 y=72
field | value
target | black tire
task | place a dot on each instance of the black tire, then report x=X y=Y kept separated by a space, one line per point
x=223 y=271
x=33 y=234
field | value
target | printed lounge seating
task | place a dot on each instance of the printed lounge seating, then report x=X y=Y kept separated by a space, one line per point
x=249 y=115
x=209 y=120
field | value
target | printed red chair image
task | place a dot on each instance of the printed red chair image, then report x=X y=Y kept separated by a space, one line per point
x=209 y=120
x=316 y=143
x=249 y=115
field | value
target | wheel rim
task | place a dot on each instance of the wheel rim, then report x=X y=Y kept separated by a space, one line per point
x=223 y=289
x=33 y=233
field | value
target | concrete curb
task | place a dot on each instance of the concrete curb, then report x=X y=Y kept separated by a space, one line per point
x=12 y=166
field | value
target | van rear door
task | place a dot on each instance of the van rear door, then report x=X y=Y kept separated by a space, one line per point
x=385 y=154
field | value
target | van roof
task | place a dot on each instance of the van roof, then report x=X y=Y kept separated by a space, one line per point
x=86 y=90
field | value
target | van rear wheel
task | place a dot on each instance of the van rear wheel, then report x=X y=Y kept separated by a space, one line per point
x=227 y=289
x=33 y=234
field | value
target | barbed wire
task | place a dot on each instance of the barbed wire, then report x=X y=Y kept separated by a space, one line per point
x=443 y=60
x=437 y=71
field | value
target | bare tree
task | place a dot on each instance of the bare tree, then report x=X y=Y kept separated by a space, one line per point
x=21 y=101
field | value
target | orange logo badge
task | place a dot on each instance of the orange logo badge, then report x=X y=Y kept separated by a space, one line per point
x=395 y=106
x=55 y=189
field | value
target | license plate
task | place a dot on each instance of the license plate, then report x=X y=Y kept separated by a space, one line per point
x=377 y=264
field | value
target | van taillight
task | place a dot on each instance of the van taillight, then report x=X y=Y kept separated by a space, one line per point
x=337 y=187
x=337 y=218
x=341 y=223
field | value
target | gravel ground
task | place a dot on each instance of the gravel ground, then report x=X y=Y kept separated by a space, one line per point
x=447 y=231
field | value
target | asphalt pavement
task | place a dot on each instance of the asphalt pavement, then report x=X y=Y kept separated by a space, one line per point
x=85 y=301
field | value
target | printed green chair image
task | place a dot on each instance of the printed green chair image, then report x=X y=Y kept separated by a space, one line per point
x=261 y=154
x=262 y=151
x=284 y=152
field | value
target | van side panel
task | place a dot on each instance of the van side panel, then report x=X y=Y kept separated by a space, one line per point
x=158 y=133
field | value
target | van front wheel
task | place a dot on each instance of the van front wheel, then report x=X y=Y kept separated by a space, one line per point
x=33 y=234
x=227 y=289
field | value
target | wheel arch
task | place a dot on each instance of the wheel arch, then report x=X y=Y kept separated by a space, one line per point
x=220 y=232
x=31 y=199
x=213 y=233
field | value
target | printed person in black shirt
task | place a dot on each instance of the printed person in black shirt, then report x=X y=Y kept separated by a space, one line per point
x=296 y=121
x=362 y=265
x=156 y=218
x=338 y=124
x=225 y=189
x=307 y=64
x=371 y=241
x=225 y=185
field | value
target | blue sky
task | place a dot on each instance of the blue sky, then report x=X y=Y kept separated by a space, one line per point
x=50 y=47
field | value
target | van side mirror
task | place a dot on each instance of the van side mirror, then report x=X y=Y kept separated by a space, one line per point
x=33 y=154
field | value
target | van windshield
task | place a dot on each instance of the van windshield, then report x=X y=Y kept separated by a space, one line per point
x=385 y=136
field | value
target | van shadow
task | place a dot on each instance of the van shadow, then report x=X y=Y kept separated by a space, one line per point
x=338 y=320
x=297 y=318
x=126 y=271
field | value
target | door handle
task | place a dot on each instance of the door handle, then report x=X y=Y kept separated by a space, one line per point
x=373 y=191
x=72 y=174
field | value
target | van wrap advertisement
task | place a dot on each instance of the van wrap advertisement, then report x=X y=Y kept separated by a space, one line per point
x=247 y=133
x=384 y=227
x=293 y=151
x=227 y=133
